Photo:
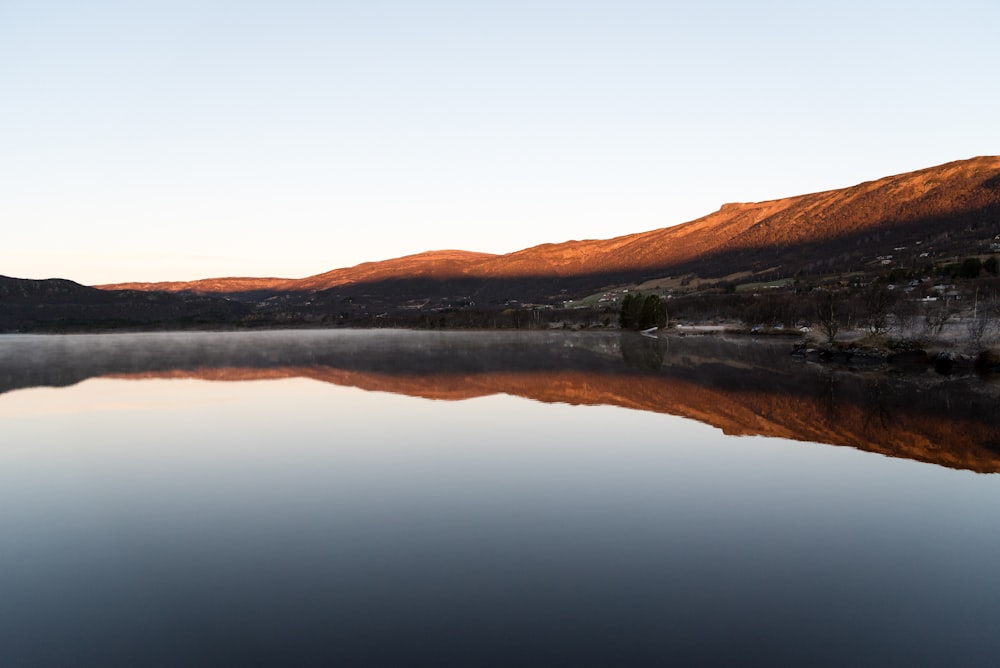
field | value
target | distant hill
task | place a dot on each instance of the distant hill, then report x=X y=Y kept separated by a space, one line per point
x=29 y=305
x=936 y=211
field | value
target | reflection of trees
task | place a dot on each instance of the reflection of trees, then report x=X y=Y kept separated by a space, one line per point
x=875 y=404
x=642 y=352
x=828 y=394
x=876 y=410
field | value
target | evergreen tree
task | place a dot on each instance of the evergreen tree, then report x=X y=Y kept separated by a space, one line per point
x=631 y=311
x=652 y=310
x=639 y=312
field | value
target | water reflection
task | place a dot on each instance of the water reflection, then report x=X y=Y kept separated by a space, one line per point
x=742 y=387
x=151 y=518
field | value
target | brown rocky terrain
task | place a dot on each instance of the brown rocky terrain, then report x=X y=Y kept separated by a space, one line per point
x=934 y=206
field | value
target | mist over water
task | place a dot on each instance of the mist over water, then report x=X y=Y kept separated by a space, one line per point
x=402 y=498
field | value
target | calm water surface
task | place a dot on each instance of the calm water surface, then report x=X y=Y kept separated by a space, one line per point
x=155 y=511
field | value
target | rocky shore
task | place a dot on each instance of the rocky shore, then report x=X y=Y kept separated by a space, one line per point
x=902 y=356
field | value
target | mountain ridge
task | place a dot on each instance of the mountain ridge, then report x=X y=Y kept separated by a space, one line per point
x=736 y=236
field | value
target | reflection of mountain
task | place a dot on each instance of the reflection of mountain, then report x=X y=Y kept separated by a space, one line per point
x=866 y=415
x=742 y=388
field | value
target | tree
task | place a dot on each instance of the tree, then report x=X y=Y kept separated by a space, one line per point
x=971 y=267
x=981 y=323
x=937 y=315
x=653 y=313
x=878 y=300
x=631 y=309
x=642 y=312
x=827 y=315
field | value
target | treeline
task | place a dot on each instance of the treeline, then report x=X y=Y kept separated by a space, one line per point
x=878 y=307
x=474 y=318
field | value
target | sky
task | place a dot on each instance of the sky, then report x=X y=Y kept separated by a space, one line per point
x=147 y=141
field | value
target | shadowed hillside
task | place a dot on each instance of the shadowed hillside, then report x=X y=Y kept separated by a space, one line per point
x=26 y=304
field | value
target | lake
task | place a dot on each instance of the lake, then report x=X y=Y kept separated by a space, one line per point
x=370 y=498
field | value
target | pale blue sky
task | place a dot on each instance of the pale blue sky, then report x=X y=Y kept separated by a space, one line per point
x=181 y=140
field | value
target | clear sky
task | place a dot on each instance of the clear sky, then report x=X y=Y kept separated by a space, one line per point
x=173 y=140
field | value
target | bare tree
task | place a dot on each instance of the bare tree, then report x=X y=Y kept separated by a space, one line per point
x=937 y=315
x=827 y=314
x=906 y=312
x=878 y=302
x=982 y=325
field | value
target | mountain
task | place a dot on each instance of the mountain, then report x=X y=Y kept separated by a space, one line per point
x=941 y=209
x=919 y=228
x=432 y=264
x=27 y=305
